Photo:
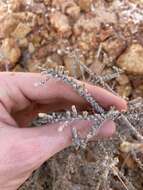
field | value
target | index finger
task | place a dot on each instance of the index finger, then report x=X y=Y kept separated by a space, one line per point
x=56 y=90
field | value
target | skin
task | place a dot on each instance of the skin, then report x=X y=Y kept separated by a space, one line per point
x=23 y=149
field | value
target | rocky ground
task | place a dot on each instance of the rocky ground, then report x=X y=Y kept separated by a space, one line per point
x=99 y=34
x=106 y=33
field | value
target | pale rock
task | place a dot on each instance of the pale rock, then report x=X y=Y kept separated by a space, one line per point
x=60 y=22
x=46 y=2
x=10 y=51
x=23 y=43
x=124 y=90
x=114 y=47
x=71 y=65
x=16 y=5
x=85 y=5
x=21 y=31
x=132 y=59
x=8 y=23
x=123 y=79
x=67 y=7
x=18 y=68
x=31 y=48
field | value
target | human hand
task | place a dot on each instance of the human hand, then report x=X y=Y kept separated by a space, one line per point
x=22 y=149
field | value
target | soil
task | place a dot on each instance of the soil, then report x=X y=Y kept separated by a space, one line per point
x=99 y=34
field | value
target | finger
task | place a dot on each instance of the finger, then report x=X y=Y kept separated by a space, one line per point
x=107 y=130
x=5 y=118
x=39 y=144
x=23 y=92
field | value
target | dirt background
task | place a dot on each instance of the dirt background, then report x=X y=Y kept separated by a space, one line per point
x=98 y=33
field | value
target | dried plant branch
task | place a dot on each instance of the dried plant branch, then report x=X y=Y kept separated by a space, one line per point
x=65 y=119
x=79 y=88
x=98 y=119
x=134 y=130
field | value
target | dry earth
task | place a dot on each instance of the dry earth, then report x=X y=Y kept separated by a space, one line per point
x=100 y=34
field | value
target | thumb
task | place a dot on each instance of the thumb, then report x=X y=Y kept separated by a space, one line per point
x=39 y=144
x=24 y=150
